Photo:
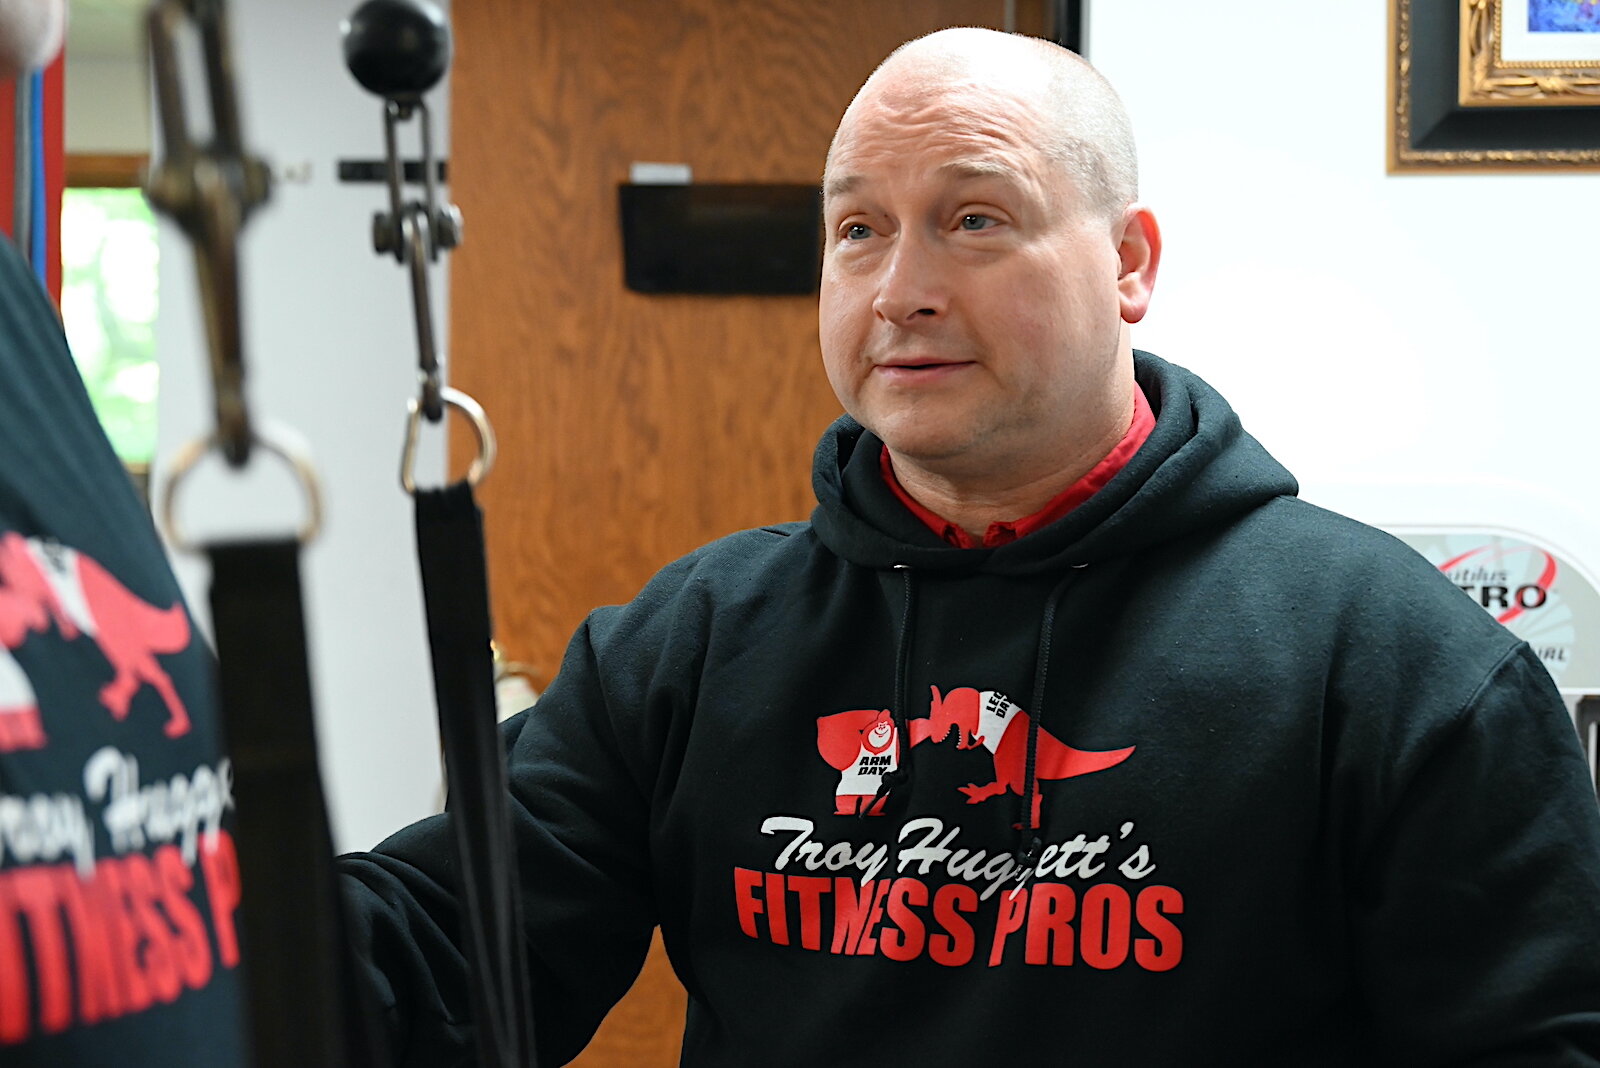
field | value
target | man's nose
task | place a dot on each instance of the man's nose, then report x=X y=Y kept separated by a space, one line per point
x=912 y=286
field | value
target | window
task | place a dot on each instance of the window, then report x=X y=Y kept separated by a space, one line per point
x=108 y=306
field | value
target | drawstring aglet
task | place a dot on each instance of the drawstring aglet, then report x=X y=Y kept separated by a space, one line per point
x=1027 y=853
x=1028 y=848
x=890 y=780
x=1026 y=856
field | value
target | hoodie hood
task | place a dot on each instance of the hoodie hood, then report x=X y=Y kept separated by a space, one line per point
x=1198 y=468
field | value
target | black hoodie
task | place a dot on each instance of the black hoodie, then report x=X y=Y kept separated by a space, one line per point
x=1299 y=801
x=119 y=880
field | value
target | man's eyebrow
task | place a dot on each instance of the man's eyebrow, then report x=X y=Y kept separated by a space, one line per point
x=959 y=169
x=835 y=187
x=981 y=168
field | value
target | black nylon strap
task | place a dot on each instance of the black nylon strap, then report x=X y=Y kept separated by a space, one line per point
x=303 y=1000
x=455 y=589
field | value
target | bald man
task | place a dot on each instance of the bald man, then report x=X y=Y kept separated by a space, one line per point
x=1063 y=733
x=118 y=878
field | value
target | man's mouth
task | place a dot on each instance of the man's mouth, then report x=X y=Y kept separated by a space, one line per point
x=911 y=370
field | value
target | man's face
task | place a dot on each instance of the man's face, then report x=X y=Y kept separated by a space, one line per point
x=969 y=291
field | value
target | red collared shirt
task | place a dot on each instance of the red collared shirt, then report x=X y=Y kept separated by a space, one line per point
x=1003 y=533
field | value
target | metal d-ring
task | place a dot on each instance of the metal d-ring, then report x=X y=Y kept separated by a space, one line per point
x=191 y=454
x=461 y=402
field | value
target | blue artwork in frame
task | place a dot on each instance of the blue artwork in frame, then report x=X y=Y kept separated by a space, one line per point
x=1564 y=16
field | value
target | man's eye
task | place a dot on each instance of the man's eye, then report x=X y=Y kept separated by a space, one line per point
x=857 y=232
x=976 y=222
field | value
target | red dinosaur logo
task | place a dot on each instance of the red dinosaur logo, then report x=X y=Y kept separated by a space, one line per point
x=44 y=583
x=990 y=719
x=863 y=745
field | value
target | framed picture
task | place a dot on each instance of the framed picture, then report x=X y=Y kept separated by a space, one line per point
x=1530 y=53
x=1494 y=85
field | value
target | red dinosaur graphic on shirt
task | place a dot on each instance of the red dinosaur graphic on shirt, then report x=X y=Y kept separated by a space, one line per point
x=44 y=583
x=990 y=719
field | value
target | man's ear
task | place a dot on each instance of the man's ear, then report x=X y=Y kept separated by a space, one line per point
x=1139 y=252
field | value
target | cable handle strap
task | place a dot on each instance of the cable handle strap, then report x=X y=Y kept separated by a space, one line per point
x=304 y=1007
x=450 y=551
x=400 y=49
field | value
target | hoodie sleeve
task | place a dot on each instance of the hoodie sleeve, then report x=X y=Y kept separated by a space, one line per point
x=580 y=820
x=1478 y=917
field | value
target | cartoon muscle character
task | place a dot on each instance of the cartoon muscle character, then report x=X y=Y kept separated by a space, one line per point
x=863 y=745
x=43 y=583
x=990 y=719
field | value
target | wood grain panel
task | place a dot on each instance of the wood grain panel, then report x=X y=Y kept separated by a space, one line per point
x=101 y=170
x=634 y=428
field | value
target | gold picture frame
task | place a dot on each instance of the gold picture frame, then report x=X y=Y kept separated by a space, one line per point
x=1431 y=130
x=1488 y=79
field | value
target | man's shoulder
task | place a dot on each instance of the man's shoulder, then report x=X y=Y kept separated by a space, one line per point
x=1318 y=536
x=723 y=579
x=1359 y=573
x=734 y=562
x=756 y=547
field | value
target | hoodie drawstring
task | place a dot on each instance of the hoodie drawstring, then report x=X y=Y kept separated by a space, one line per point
x=901 y=774
x=1028 y=842
x=1028 y=817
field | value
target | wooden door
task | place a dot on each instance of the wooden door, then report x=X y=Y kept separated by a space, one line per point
x=633 y=428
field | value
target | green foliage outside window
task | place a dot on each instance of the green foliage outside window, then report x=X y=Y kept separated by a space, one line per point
x=108 y=306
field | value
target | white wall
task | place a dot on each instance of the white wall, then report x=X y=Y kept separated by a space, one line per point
x=1416 y=348
x=107 y=104
x=331 y=354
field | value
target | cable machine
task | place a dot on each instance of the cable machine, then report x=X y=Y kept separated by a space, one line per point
x=305 y=1006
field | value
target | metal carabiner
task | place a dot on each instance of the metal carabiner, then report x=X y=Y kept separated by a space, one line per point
x=417 y=243
x=189 y=457
x=416 y=232
x=444 y=218
x=210 y=191
x=461 y=402
x=399 y=49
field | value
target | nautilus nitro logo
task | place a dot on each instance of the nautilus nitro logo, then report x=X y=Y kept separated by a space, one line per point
x=1480 y=573
x=1516 y=583
x=1543 y=597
